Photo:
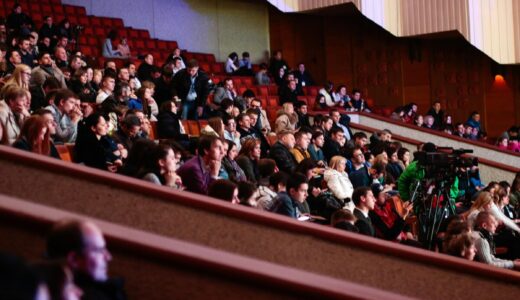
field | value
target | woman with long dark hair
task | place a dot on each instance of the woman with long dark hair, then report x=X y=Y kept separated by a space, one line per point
x=159 y=167
x=235 y=173
x=248 y=159
x=94 y=148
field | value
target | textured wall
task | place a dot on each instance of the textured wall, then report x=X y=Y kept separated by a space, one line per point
x=209 y=26
x=394 y=71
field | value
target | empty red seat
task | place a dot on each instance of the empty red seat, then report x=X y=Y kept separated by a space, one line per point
x=263 y=90
x=210 y=58
x=99 y=31
x=118 y=23
x=95 y=21
x=69 y=9
x=37 y=17
x=88 y=30
x=84 y=21
x=273 y=101
x=162 y=45
x=241 y=90
x=46 y=9
x=139 y=44
x=82 y=40
x=58 y=9
x=150 y=44
x=273 y=89
x=247 y=81
x=80 y=11
x=107 y=22
x=73 y=20
x=205 y=67
x=172 y=45
x=217 y=68
x=133 y=34
x=144 y=34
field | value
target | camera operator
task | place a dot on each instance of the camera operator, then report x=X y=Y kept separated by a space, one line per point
x=415 y=172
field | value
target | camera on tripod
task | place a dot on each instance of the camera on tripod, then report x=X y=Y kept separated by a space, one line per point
x=446 y=162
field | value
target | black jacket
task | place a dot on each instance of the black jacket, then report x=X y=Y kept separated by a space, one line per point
x=331 y=148
x=364 y=224
x=112 y=289
x=181 y=83
x=168 y=126
x=283 y=157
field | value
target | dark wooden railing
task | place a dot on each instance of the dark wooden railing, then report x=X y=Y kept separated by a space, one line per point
x=265 y=236
x=167 y=267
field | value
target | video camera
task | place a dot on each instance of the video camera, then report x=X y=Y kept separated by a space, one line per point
x=447 y=160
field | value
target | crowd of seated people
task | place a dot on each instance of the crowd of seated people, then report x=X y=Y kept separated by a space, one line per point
x=437 y=119
x=317 y=171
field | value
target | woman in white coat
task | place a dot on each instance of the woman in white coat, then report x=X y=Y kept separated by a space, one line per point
x=338 y=182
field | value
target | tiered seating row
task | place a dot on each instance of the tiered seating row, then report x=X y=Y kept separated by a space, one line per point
x=186 y=216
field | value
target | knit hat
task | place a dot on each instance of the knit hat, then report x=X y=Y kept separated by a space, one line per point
x=377 y=188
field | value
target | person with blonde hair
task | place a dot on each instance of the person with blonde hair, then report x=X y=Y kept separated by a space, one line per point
x=338 y=182
x=21 y=77
x=483 y=202
x=286 y=119
x=486 y=202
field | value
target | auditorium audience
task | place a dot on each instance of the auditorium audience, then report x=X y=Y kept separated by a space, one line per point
x=238 y=165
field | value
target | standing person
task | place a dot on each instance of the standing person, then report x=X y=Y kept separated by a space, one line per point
x=81 y=245
x=277 y=63
x=191 y=87
x=146 y=69
x=438 y=115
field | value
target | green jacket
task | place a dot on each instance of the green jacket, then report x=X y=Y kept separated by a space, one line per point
x=415 y=172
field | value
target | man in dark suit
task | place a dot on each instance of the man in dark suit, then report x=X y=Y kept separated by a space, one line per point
x=332 y=146
x=281 y=152
x=364 y=200
x=192 y=87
